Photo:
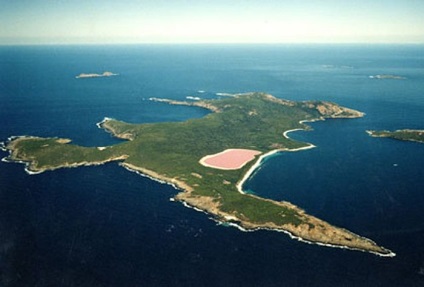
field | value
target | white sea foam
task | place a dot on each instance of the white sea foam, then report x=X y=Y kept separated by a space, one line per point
x=232 y=224
x=193 y=207
x=193 y=98
x=27 y=170
x=148 y=176
x=30 y=172
x=8 y=158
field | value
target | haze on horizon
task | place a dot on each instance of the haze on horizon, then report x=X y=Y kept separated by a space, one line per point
x=219 y=21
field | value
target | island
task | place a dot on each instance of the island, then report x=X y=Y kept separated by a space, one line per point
x=93 y=75
x=208 y=160
x=404 y=135
x=387 y=77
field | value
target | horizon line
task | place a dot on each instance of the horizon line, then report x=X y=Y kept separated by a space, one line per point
x=206 y=43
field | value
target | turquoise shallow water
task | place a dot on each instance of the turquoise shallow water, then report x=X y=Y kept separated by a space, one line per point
x=105 y=226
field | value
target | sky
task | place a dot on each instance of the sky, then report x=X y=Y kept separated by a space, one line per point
x=213 y=21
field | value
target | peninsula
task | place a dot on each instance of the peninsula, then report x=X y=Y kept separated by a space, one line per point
x=200 y=158
x=404 y=135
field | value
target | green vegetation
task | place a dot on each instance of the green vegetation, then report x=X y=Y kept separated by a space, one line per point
x=171 y=152
x=404 y=135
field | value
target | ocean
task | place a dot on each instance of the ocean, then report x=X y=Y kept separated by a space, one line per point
x=106 y=226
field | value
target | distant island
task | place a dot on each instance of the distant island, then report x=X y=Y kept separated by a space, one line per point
x=105 y=74
x=405 y=135
x=209 y=159
x=385 y=77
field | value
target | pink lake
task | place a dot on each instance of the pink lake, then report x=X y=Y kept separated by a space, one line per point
x=229 y=159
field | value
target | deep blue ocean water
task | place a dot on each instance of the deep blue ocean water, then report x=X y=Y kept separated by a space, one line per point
x=105 y=226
